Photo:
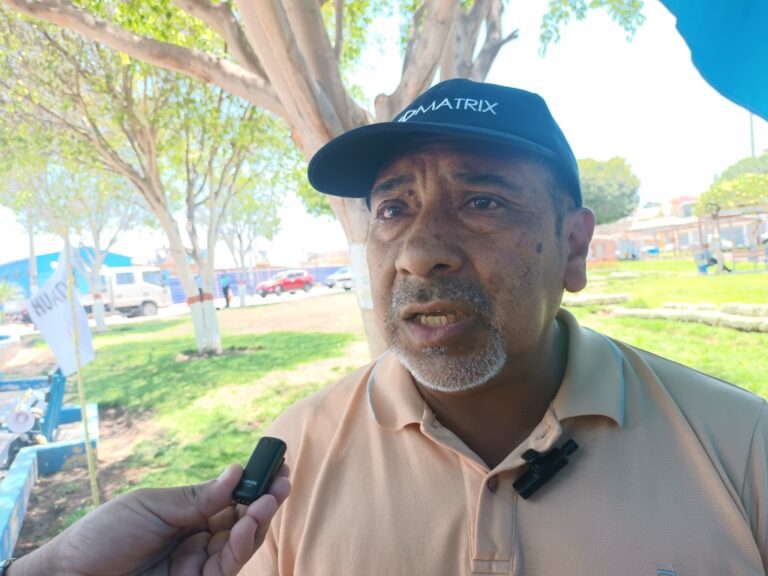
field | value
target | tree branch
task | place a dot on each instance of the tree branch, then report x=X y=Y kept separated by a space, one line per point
x=337 y=45
x=188 y=61
x=456 y=60
x=413 y=32
x=494 y=41
x=268 y=29
x=221 y=19
x=308 y=28
x=425 y=45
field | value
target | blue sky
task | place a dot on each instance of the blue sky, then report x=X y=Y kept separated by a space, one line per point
x=642 y=100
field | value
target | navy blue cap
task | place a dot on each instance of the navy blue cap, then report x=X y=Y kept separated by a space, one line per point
x=459 y=108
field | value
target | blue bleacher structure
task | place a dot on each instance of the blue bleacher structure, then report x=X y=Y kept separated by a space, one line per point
x=38 y=451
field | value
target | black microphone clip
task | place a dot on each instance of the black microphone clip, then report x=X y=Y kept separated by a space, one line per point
x=541 y=467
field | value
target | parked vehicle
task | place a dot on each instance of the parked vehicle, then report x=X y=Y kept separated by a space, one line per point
x=15 y=311
x=287 y=281
x=133 y=290
x=342 y=277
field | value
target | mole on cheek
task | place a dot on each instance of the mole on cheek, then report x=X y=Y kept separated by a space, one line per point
x=539 y=247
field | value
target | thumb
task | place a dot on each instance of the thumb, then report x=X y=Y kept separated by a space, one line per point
x=192 y=505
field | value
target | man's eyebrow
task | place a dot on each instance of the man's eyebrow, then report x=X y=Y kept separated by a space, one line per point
x=484 y=178
x=392 y=183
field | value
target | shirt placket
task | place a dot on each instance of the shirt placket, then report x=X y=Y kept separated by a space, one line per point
x=493 y=501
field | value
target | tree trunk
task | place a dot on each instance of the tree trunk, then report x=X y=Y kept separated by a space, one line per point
x=719 y=247
x=97 y=307
x=32 y=254
x=361 y=281
x=354 y=215
x=242 y=282
x=206 y=326
x=207 y=269
x=199 y=300
x=242 y=287
x=99 y=314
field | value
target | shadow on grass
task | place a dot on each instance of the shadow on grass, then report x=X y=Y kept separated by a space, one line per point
x=148 y=327
x=155 y=374
x=37 y=341
x=215 y=439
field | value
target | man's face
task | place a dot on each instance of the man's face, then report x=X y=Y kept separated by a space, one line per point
x=467 y=268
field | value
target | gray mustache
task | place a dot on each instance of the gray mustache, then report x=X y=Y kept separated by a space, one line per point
x=456 y=290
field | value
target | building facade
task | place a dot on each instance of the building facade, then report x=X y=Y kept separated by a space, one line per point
x=674 y=229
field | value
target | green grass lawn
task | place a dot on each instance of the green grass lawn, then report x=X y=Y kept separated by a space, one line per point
x=660 y=281
x=738 y=357
x=205 y=413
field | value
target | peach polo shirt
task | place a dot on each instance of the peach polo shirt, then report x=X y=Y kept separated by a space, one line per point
x=671 y=479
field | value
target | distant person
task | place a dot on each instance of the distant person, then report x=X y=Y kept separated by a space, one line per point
x=708 y=259
x=225 y=288
x=765 y=244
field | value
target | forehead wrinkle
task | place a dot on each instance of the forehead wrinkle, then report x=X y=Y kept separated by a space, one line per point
x=393 y=183
x=480 y=178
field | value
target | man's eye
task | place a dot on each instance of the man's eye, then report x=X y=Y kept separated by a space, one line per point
x=482 y=203
x=388 y=211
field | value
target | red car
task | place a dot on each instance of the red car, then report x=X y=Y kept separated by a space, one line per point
x=287 y=281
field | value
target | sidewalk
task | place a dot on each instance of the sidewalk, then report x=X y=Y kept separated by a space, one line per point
x=176 y=310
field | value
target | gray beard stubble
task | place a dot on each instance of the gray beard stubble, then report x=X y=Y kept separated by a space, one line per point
x=434 y=368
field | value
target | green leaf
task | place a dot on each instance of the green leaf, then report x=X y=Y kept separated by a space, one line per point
x=609 y=188
x=626 y=13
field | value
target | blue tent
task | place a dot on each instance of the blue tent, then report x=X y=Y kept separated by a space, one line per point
x=729 y=46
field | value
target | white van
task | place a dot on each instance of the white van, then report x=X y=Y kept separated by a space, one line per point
x=133 y=290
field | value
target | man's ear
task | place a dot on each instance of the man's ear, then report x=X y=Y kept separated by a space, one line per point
x=579 y=226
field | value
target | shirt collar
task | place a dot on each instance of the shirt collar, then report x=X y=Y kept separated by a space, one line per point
x=593 y=383
x=392 y=394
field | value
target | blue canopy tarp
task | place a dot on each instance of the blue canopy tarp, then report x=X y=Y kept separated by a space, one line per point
x=729 y=46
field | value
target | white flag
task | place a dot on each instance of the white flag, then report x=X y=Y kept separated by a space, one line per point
x=51 y=312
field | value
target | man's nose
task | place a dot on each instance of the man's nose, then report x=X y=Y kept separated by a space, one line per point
x=429 y=247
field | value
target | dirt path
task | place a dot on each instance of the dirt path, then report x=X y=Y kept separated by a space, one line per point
x=66 y=494
x=332 y=313
x=29 y=361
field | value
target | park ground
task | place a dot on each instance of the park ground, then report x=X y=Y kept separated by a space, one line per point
x=169 y=417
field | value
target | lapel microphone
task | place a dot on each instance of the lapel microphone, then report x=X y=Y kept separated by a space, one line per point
x=541 y=467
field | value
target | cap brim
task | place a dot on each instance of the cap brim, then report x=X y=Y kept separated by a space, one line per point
x=348 y=164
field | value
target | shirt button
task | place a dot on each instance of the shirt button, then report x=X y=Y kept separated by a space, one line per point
x=493 y=483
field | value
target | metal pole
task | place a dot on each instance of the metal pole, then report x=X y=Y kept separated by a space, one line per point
x=719 y=247
x=32 y=254
x=80 y=389
x=752 y=132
